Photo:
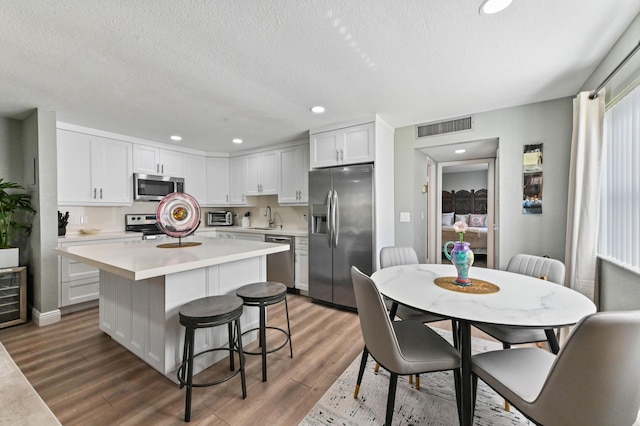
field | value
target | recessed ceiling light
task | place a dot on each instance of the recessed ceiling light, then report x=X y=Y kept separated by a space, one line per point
x=489 y=7
x=460 y=151
x=317 y=109
x=236 y=140
x=176 y=138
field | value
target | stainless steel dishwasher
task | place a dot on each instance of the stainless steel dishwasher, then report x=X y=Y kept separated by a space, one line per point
x=280 y=266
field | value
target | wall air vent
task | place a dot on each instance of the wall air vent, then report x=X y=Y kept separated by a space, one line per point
x=442 y=127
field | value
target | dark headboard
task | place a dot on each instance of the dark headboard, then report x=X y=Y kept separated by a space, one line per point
x=464 y=202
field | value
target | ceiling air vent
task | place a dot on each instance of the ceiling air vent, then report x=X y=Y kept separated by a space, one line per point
x=441 y=127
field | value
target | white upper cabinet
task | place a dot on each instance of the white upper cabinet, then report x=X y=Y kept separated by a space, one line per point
x=157 y=161
x=195 y=177
x=217 y=181
x=294 y=175
x=262 y=173
x=237 y=172
x=93 y=170
x=348 y=145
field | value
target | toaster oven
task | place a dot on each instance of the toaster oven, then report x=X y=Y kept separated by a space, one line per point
x=220 y=218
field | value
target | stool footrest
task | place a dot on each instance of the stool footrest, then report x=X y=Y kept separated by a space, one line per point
x=268 y=351
x=182 y=368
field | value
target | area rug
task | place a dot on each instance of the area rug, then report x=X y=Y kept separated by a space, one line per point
x=434 y=404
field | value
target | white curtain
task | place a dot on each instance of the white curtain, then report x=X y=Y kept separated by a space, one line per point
x=584 y=193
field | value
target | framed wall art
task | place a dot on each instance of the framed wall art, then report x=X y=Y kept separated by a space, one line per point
x=532 y=179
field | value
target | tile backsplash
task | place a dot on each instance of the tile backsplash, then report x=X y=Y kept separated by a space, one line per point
x=111 y=219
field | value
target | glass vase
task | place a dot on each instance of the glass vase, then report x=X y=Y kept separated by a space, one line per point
x=462 y=258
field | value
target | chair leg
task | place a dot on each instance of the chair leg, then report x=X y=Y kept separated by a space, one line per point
x=391 y=399
x=286 y=307
x=417 y=382
x=376 y=368
x=242 y=359
x=363 y=364
x=410 y=379
x=553 y=341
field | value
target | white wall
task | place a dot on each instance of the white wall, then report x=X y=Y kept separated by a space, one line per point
x=547 y=122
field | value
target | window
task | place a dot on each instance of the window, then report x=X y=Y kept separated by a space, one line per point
x=620 y=191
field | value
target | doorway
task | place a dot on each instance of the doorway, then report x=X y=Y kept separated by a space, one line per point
x=466 y=189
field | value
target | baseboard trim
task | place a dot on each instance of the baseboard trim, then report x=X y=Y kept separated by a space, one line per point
x=42 y=319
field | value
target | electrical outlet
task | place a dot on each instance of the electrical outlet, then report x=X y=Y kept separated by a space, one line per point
x=84 y=219
x=304 y=216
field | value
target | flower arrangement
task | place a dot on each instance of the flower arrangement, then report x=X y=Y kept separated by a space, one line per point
x=460 y=227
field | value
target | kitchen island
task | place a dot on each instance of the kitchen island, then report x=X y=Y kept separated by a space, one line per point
x=143 y=286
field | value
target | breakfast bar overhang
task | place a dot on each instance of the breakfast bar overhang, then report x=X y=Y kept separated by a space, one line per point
x=143 y=286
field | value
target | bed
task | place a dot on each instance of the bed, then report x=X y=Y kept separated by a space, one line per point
x=471 y=207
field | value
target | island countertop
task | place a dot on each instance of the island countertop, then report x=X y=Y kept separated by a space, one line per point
x=138 y=260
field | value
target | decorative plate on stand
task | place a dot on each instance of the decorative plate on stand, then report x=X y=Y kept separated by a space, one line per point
x=178 y=215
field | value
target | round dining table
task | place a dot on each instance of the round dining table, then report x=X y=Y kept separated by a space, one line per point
x=514 y=299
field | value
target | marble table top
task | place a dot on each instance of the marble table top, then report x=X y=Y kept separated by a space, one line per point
x=522 y=300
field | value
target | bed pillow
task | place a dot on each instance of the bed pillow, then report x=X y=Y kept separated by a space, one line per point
x=477 y=220
x=462 y=218
x=447 y=218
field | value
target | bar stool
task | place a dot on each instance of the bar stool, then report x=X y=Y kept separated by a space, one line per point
x=263 y=294
x=208 y=312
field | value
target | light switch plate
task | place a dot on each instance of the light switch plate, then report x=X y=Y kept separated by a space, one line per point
x=405 y=217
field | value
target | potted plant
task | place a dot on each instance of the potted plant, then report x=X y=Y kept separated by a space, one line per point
x=14 y=205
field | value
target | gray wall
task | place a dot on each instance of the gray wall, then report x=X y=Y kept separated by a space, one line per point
x=464 y=180
x=619 y=287
x=547 y=122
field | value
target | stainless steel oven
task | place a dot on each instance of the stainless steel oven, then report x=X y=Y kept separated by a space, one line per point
x=145 y=224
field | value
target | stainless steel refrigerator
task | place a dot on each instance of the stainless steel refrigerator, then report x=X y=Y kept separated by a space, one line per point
x=340 y=231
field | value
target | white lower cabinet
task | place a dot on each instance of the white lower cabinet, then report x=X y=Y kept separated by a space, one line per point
x=143 y=315
x=78 y=282
x=302 y=264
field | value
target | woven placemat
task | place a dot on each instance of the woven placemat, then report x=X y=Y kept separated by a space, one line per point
x=179 y=245
x=477 y=286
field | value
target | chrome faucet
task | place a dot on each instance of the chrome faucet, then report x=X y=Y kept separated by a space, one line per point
x=268 y=209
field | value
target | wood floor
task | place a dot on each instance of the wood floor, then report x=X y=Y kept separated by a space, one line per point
x=88 y=379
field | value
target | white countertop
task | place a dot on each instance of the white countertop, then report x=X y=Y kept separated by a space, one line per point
x=75 y=237
x=137 y=260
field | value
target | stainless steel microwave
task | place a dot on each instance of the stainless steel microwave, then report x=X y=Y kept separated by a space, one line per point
x=154 y=188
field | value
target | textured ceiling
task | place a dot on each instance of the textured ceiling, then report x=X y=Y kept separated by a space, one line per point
x=215 y=70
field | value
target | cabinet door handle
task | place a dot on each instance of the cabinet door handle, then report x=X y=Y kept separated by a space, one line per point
x=101 y=193
x=337 y=155
x=227 y=198
x=158 y=168
x=95 y=193
x=341 y=154
x=162 y=169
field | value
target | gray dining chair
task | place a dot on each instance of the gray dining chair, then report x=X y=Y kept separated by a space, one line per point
x=535 y=266
x=393 y=256
x=592 y=381
x=401 y=347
